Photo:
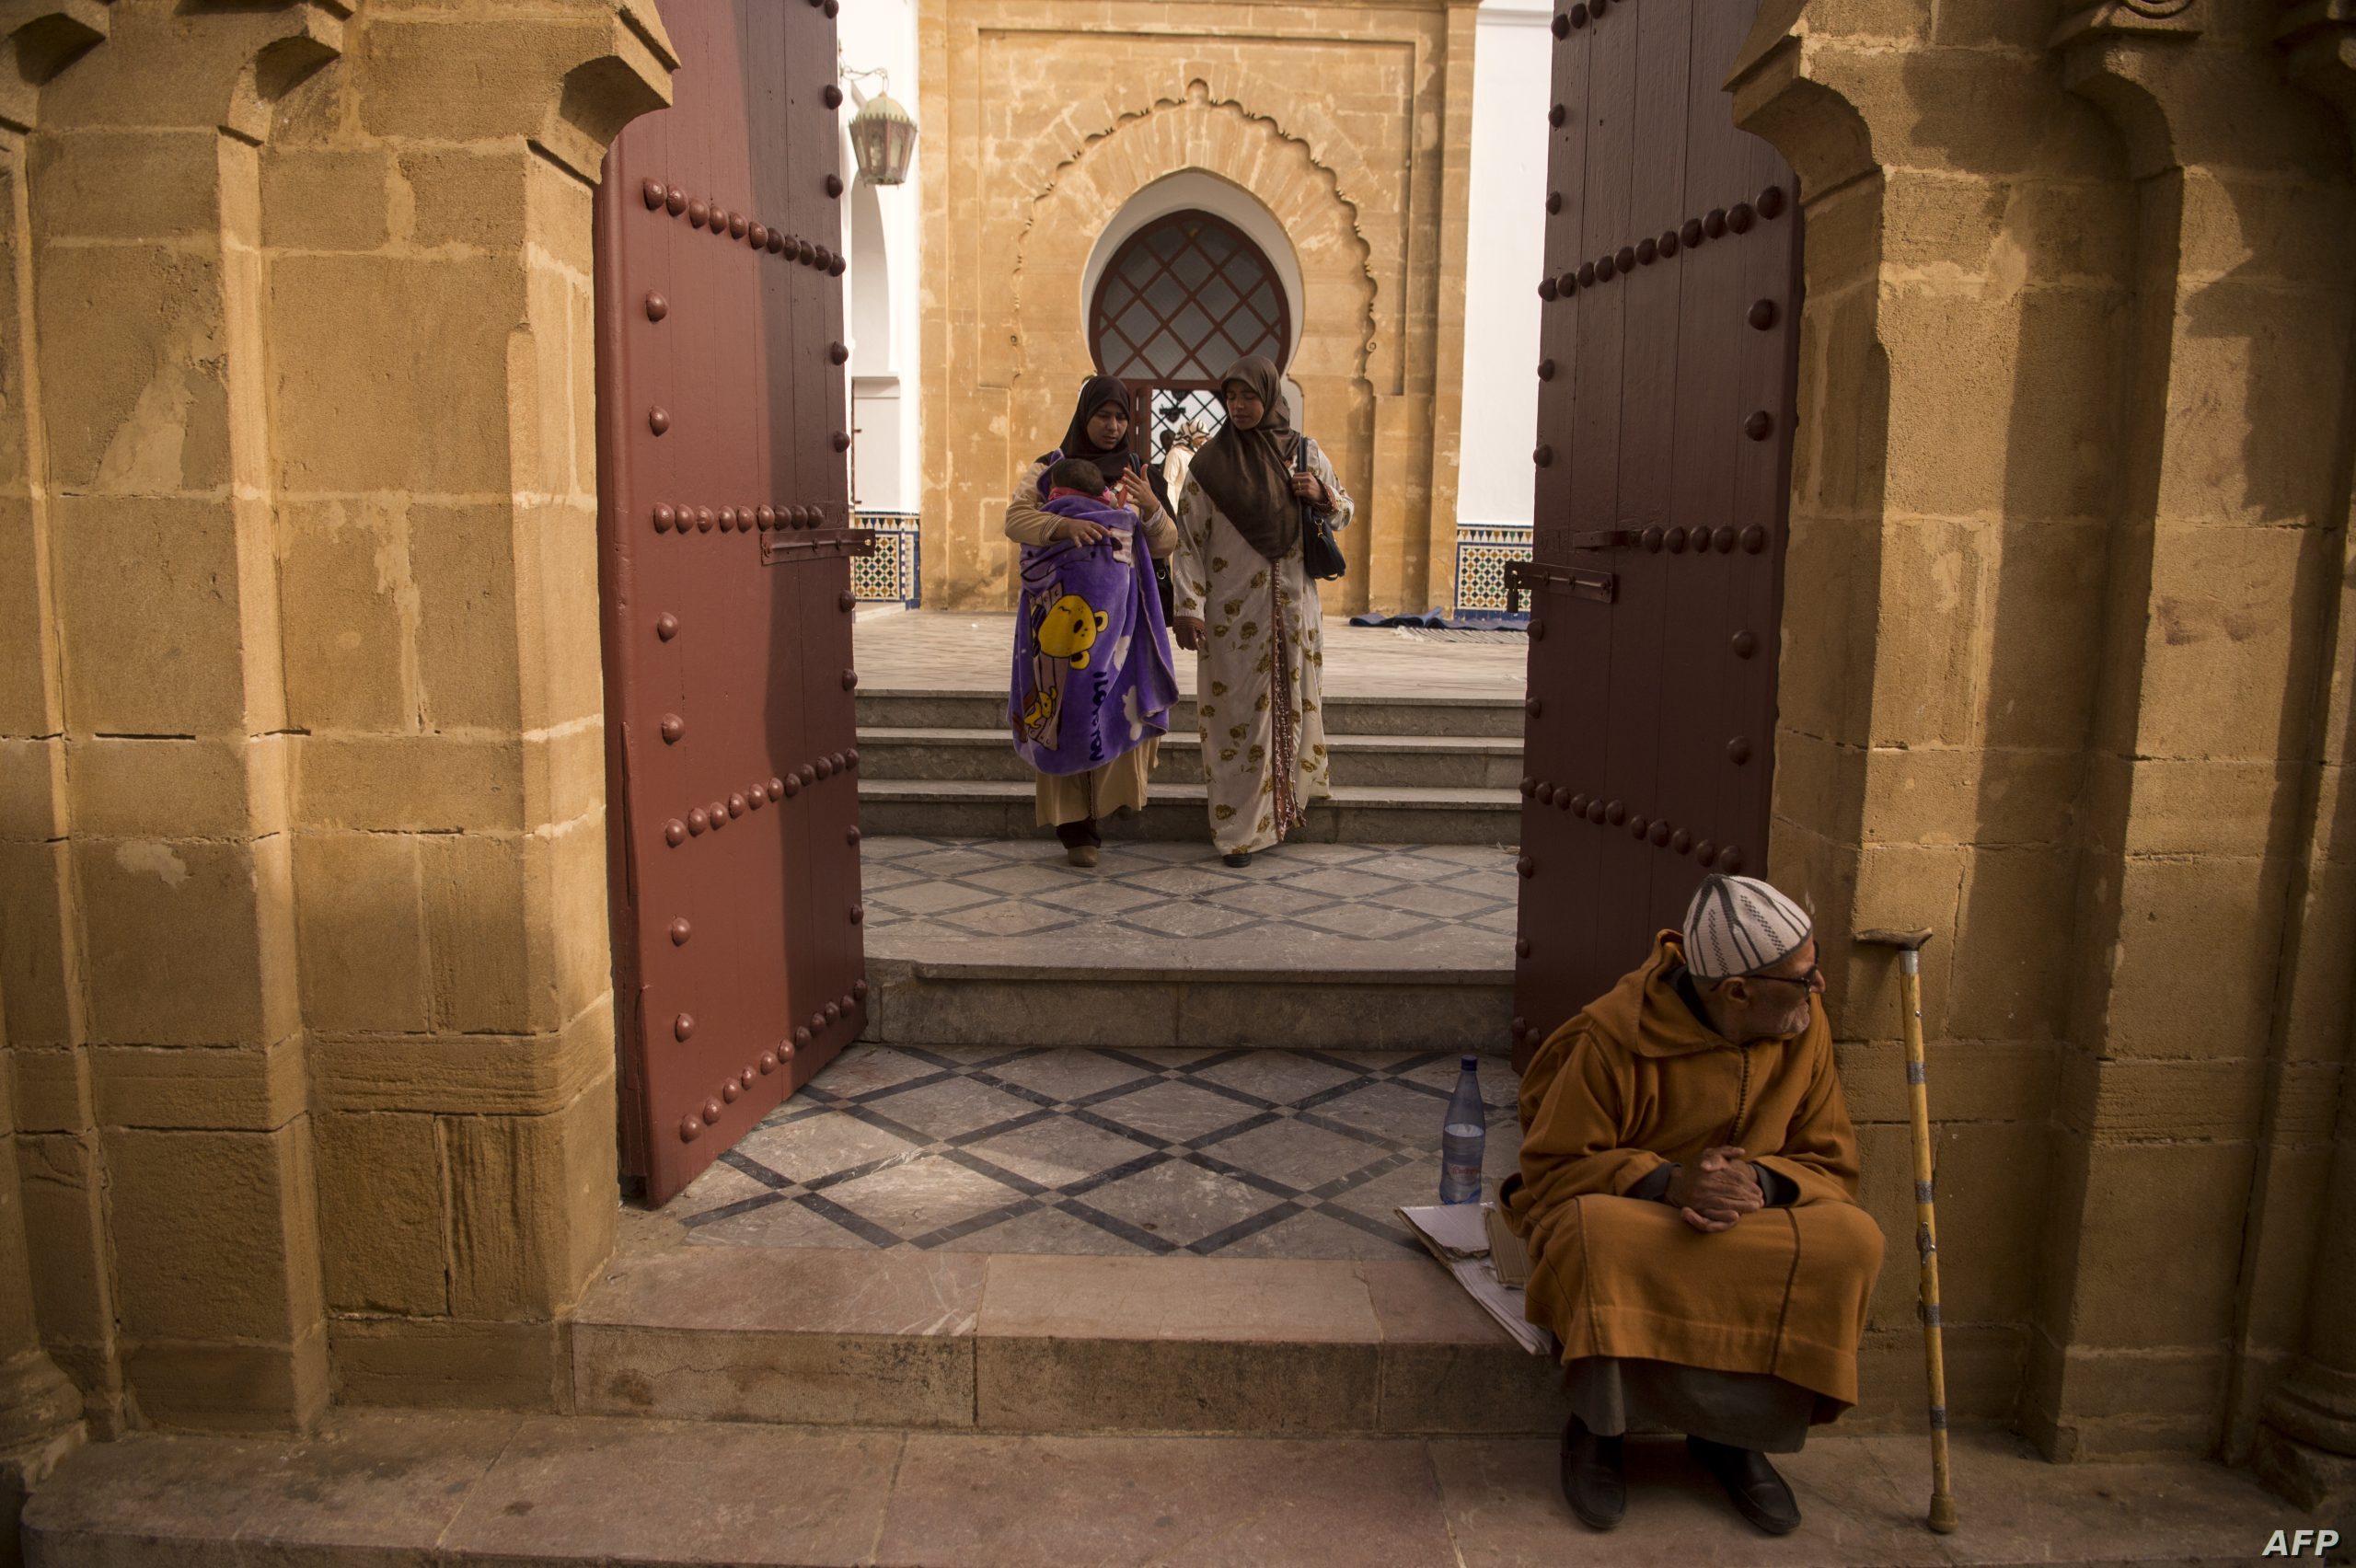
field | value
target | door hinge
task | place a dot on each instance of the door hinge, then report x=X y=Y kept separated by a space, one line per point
x=1522 y=576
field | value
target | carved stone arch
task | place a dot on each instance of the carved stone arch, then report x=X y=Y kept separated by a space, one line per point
x=1338 y=347
x=37 y=39
x=1089 y=188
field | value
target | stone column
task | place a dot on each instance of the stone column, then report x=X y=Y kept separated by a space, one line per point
x=2306 y=1444
x=2199 y=804
x=162 y=1016
x=40 y=1410
x=1953 y=477
x=432 y=328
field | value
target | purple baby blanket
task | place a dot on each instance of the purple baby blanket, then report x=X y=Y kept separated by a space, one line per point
x=1093 y=676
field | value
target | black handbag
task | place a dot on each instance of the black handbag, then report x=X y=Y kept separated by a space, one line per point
x=1321 y=558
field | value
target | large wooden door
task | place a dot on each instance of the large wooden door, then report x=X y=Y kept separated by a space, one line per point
x=724 y=528
x=1668 y=357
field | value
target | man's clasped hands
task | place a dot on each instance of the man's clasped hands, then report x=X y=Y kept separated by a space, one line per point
x=1716 y=1190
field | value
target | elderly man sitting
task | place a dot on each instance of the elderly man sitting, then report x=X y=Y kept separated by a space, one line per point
x=1688 y=1189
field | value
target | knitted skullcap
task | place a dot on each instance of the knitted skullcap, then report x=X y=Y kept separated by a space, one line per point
x=1740 y=926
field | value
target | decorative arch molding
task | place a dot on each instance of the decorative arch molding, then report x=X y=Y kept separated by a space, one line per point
x=37 y=39
x=1277 y=171
x=1193 y=190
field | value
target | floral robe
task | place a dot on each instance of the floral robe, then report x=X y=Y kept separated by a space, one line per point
x=1259 y=681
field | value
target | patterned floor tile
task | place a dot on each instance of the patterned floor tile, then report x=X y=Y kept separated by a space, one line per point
x=1012 y=918
x=1059 y=1152
x=1342 y=883
x=1302 y=1157
x=1186 y=919
x=1181 y=1204
x=928 y=896
x=1281 y=1076
x=923 y=1195
x=950 y=1109
x=1064 y=1151
x=1422 y=905
x=1411 y=1116
x=776 y=1221
x=1175 y=1111
x=819 y=1146
x=1440 y=902
x=1026 y=879
x=1071 y=1075
x=862 y=1070
x=1313 y=1235
x=1050 y=1231
x=719 y=1187
x=1361 y=921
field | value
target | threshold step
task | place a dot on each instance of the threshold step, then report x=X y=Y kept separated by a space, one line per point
x=484 y=1489
x=1355 y=814
x=1439 y=762
x=998 y=992
x=1018 y=1343
x=1497 y=718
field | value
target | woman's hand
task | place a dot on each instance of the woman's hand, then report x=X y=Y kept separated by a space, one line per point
x=1136 y=495
x=1309 y=486
x=1081 y=531
x=1190 y=632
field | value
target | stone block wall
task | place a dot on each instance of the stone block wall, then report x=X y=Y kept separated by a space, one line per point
x=306 y=991
x=2063 y=670
x=1350 y=123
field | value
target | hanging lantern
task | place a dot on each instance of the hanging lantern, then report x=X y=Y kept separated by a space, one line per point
x=883 y=139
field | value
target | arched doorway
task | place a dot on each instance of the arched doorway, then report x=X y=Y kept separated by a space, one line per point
x=1184 y=297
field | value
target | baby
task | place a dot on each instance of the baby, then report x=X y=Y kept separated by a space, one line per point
x=1077 y=478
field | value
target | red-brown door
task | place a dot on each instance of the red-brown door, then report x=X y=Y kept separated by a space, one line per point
x=724 y=528
x=1669 y=351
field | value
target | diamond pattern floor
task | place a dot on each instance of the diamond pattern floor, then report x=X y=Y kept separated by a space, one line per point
x=1251 y=1153
x=1422 y=906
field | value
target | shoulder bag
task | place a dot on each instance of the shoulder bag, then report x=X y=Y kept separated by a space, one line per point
x=1321 y=558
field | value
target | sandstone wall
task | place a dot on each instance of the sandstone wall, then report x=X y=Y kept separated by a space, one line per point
x=302 y=848
x=1350 y=122
x=2065 y=677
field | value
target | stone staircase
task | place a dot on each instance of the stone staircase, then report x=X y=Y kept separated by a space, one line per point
x=1406 y=770
x=935 y=765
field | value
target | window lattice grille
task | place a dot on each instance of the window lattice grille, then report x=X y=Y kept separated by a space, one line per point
x=1184 y=298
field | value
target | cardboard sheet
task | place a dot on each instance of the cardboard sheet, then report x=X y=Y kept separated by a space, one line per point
x=1457 y=1235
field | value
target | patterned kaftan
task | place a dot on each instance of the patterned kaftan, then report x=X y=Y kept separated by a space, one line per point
x=1259 y=678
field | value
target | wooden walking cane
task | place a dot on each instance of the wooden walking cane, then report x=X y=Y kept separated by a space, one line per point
x=1926 y=1234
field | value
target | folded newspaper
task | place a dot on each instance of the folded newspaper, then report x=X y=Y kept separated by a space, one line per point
x=1459 y=1235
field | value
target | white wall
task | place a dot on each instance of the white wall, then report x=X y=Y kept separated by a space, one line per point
x=1512 y=62
x=880 y=302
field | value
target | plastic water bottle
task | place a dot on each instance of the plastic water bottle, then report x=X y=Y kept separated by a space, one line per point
x=1464 y=1130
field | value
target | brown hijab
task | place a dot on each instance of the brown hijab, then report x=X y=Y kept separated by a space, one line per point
x=1248 y=473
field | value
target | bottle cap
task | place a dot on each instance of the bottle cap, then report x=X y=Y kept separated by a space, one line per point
x=1470 y=1064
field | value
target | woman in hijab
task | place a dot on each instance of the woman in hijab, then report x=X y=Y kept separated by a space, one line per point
x=1244 y=606
x=1073 y=802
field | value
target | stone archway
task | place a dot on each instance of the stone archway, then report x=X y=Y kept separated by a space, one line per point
x=1336 y=338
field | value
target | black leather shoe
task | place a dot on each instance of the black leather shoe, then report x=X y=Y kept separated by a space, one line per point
x=1758 y=1494
x=1595 y=1476
x=1241 y=857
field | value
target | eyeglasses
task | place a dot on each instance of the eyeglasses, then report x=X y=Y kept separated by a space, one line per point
x=1813 y=980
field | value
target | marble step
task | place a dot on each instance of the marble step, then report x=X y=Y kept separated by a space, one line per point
x=953 y=808
x=1498 y=718
x=1431 y=761
x=1005 y=992
x=492 y=1489
x=1014 y=1343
